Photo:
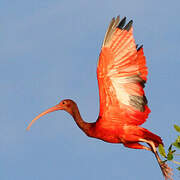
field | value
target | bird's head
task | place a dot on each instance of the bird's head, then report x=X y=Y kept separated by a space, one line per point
x=67 y=105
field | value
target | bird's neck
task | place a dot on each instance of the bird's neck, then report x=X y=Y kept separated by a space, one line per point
x=85 y=126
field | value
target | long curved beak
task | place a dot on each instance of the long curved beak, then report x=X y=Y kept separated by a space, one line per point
x=52 y=109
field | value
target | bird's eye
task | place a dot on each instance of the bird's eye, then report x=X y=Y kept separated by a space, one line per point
x=63 y=102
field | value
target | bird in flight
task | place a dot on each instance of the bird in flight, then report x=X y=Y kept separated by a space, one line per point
x=121 y=74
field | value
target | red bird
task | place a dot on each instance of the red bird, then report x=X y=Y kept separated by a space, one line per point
x=121 y=74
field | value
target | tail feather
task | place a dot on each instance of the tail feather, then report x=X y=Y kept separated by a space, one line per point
x=153 y=137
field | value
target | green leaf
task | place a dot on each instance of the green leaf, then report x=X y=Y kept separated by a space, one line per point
x=176 y=144
x=170 y=156
x=178 y=139
x=170 y=148
x=162 y=150
x=178 y=168
x=177 y=128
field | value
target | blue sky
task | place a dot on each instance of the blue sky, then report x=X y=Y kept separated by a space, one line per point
x=49 y=51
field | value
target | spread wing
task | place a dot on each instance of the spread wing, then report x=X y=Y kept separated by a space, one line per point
x=121 y=75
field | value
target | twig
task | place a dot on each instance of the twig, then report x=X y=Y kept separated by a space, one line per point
x=176 y=162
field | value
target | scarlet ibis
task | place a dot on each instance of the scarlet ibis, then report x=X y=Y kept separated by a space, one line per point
x=121 y=74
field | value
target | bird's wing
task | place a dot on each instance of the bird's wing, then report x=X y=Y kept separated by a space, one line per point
x=121 y=74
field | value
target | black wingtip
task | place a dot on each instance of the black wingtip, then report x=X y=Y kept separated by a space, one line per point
x=129 y=25
x=142 y=83
x=139 y=47
x=121 y=24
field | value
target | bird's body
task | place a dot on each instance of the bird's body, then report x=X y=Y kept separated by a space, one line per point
x=121 y=74
x=128 y=135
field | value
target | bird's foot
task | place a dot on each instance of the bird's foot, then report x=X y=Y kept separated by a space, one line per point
x=166 y=170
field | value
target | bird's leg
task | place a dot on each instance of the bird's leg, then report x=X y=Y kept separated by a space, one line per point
x=136 y=146
x=166 y=170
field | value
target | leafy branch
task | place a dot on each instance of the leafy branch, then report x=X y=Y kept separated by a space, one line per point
x=169 y=156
